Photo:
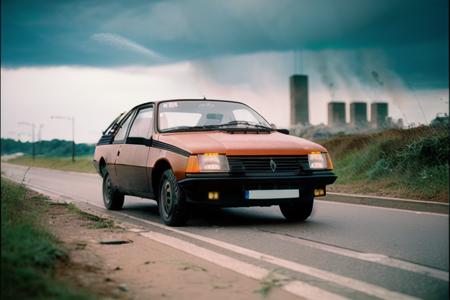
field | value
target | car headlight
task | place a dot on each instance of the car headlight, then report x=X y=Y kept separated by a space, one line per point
x=208 y=162
x=318 y=161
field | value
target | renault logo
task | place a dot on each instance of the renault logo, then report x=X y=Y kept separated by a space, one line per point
x=273 y=165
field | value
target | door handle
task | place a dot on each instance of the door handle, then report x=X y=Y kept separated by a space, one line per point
x=118 y=152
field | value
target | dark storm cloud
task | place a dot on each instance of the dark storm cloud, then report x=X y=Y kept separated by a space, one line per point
x=413 y=34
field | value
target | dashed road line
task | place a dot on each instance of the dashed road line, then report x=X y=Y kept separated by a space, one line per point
x=295 y=287
x=366 y=288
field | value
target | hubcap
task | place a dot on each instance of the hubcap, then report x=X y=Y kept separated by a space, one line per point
x=167 y=197
x=107 y=190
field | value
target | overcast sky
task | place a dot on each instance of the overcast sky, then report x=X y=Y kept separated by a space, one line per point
x=94 y=59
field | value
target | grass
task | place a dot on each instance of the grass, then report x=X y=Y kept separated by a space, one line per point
x=95 y=221
x=29 y=253
x=272 y=280
x=81 y=164
x=409 y=163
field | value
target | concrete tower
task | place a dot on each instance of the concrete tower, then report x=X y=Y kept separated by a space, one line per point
x=378 y=114
x=336 y=113
x=299 y=99
x=358 y=114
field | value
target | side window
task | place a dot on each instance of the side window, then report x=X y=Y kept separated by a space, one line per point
x=120 y=136
x=143 y=124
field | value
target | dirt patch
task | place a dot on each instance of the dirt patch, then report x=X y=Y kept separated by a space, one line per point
x=141 y=268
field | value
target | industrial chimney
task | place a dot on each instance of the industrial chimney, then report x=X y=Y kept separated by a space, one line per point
x=358 y=114
x=378 y=114
x=336 y=113
x=299 y=99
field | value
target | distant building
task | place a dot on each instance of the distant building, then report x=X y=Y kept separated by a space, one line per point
x=440 y=120
x=378 y=114
x=336 y=113
x=358 y=114
x=299 y=99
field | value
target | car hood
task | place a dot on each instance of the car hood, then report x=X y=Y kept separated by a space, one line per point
x=273 y=143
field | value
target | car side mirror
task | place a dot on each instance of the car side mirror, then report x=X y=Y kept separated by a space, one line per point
x=273 y=126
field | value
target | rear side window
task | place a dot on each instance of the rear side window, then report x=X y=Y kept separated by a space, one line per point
x=143 y=124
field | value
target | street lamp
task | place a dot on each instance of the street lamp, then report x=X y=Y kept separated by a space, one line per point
x=73 y=132
x=32 y=135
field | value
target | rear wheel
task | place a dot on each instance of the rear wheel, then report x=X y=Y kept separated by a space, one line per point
x=298 y=210
x=112 y=198
x=173 y=209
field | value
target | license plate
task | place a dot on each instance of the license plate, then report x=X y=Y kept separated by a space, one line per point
x=271 y=194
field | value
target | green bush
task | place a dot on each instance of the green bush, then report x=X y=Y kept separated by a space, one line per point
x=415 y=160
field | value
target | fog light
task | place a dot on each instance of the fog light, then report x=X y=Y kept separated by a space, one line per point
x=213 y=195
x=319 y=192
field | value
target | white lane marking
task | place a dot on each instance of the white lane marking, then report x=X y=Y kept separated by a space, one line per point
x=383 y=208
x=308 y=291
x=354 y=284
x=371 y=257
x=295 y=287
x=366 y=288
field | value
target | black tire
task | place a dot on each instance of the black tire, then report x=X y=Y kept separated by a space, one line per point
x=112 y=198
x=298 y=210
x=173 y=209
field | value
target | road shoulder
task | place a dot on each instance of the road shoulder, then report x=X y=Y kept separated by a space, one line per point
x=142 y=268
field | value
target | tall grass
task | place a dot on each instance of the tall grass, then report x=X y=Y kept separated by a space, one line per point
x=411 y=162
x=29 y=253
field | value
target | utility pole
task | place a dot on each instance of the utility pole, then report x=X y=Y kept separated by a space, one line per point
x=32 y=136
x=73 y=132
x=39 y=138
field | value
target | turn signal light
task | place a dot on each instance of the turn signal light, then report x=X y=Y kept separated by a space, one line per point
x=330 y=162
x=192 y=165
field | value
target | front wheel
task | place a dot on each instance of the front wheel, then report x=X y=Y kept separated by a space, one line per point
x=298 y=210
x=112 y=198
x=173 y=209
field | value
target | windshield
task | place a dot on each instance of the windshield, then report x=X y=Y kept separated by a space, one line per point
x=190 y=115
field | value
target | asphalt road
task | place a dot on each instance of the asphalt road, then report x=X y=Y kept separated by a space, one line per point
x=398 y=251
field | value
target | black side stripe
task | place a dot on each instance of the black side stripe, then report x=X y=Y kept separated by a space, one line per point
x=156 y=144
x=139 y=141
x=169 y=147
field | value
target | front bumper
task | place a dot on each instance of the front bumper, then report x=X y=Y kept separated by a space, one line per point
x=231 y=188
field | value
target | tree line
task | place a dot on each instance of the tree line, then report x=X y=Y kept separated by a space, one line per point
x=54 y=147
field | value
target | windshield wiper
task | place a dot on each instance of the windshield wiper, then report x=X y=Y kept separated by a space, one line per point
x=224 y=126
x=259 y=126
x=190 y=128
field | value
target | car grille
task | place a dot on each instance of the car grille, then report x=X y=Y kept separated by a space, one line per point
x=268 y=165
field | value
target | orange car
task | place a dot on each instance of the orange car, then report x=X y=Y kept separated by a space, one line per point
x=185 y=153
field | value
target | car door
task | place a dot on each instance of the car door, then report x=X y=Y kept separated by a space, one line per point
x=114 y=150
x=133 y=154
